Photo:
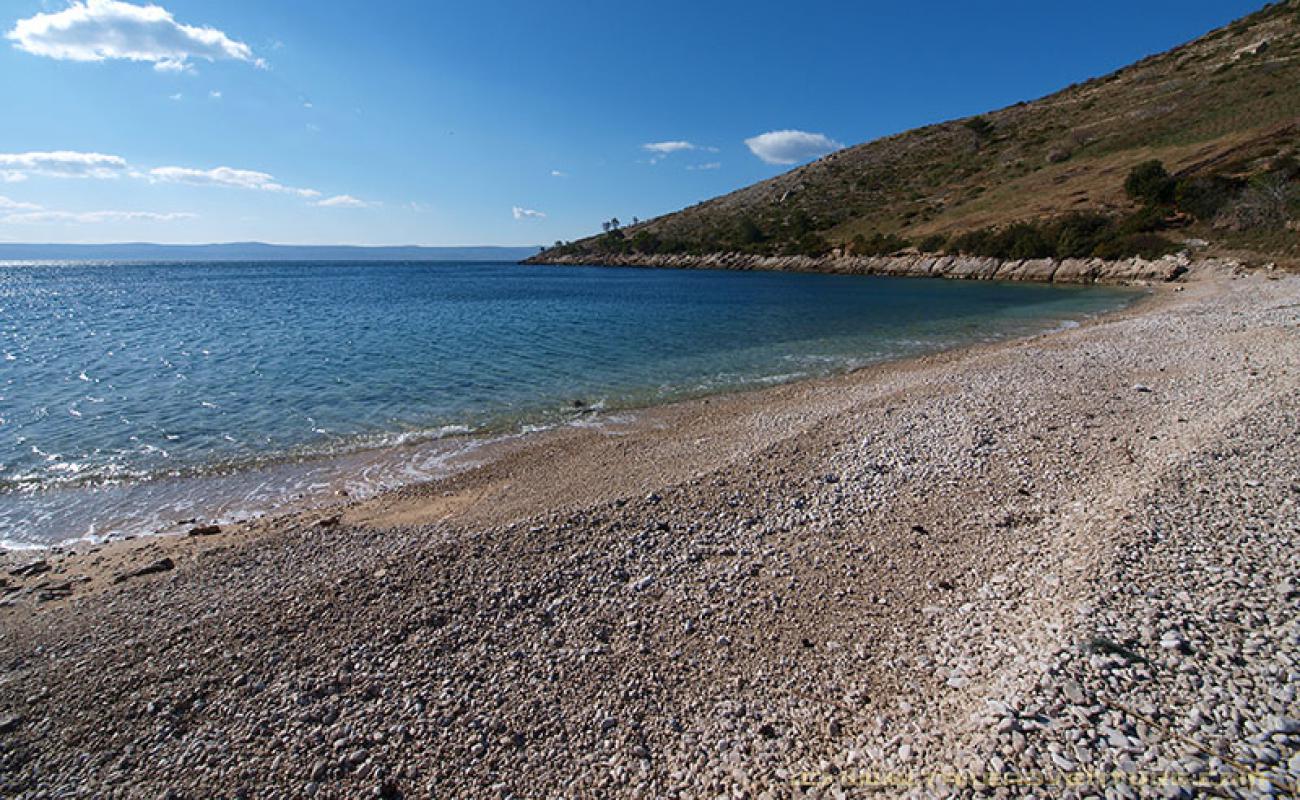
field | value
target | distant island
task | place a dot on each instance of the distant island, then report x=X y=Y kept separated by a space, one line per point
x=253 y=251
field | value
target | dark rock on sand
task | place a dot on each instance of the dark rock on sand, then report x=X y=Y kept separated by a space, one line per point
x=161 y=565
x=30 y=568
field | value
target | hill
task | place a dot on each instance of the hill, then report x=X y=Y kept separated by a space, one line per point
x=252 y=251
x=1221 y=114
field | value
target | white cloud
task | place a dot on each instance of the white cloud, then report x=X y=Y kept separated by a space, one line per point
x=177 y=97
x=225 y=176
x=344 y=201
x=710 y=165
x=97 y=30
x=7 y=204
x=668 y=148
x=555 y=173
x=214 y=94
x=661 y=150
x=60 y=164
x=93 y=217
x=790 y=147
x=15 y=167
x=527 y=213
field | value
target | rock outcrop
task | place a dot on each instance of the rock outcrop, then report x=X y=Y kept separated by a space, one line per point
x=1040 y=270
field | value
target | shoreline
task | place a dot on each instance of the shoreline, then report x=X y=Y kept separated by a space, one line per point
x=311 y=482
x=894 y=569
x=117 y=555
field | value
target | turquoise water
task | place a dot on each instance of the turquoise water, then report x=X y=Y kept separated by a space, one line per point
x=135 y=395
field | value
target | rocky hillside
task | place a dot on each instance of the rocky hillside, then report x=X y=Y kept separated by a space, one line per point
x=1221 y=113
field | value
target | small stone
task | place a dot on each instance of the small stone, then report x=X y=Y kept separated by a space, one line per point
x=1063 y=763
x=1266 y=755
x=30 y=568
x=161 y=565
x=9 y=723
x=1175 y=643
x=205 y=530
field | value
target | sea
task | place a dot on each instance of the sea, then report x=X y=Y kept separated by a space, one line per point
x=136 y=398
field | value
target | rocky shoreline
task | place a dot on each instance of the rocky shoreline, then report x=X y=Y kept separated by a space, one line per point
x=1040 y=270
x=1059 y=566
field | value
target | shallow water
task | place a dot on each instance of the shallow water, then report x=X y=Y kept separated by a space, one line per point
x=135 y=395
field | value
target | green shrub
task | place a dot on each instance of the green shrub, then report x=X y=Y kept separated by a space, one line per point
x=878 y=244
x=1144 y=220
x=1150 y=183
x=797 y=224
x=979 y=242
x=933 y=243
x=979 y=126
x=1205 y=197
x=1077 y=235
x=1025 y=240
x=810 y=244
x=748 y=233
x=1145 y=245
x=645 y=242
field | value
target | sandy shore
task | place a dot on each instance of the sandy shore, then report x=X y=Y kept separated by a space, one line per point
x=1064 y=558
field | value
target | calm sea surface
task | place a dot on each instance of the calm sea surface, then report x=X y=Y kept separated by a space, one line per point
x=136 y=395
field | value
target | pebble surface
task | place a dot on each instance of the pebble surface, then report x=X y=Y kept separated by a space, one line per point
x=1062 y=566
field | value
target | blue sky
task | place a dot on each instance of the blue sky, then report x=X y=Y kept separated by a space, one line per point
x=405 y=122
